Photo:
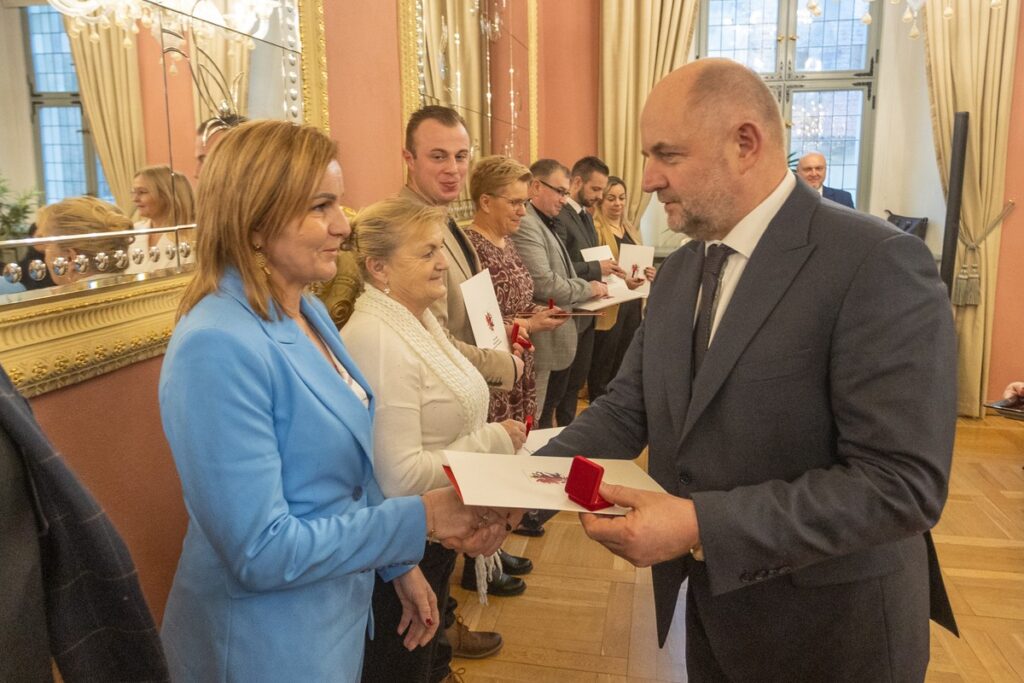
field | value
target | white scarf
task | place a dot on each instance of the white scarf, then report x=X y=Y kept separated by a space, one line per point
x=429 y=341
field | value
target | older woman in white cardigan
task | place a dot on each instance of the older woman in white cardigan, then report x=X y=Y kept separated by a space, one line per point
x=429 y=398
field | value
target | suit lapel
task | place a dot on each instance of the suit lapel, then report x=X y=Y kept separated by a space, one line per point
x=455 y=253
x=778 y=257
x=677 y=378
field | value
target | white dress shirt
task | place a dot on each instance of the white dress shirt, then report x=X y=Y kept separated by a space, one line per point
x=743 y=239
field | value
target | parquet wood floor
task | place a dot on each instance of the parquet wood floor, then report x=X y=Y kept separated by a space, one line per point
x=588 y=616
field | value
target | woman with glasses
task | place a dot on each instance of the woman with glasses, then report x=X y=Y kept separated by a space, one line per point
x=499 y=188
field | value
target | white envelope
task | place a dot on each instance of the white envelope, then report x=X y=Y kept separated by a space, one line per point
x=613 y=298
x=599 y=253
x=537 y=439
x=484 y=313
x=534 y=482
x=641 y=257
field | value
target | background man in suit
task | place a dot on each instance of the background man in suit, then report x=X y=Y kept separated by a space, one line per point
x=778 y=380
x=437 y=155
x=811 y=168
x=544 y=254
x=586 y=187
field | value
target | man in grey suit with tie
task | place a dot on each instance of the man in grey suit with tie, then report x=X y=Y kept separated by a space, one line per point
x=554 y=280
x=794 y=380
x=586 y=187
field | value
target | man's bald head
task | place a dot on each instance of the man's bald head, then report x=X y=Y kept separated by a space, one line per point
x=713 y=136
x=812 y=168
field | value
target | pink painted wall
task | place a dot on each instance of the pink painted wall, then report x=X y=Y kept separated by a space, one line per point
x=364 y=91
x=158 y=110
x=109 y=431
x=569 y=52
x=1008 y=327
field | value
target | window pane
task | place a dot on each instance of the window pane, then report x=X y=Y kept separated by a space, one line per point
x=51 y=52
x=829 y=121
x=60 y=132
x=834 y=41
x=744 y=30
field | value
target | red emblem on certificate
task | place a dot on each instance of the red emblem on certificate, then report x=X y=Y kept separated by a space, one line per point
x=490 y=321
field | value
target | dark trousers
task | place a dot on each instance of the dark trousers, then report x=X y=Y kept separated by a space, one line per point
x=386 y=658
x=610 y=348
x=557 y=382
x=565 y=411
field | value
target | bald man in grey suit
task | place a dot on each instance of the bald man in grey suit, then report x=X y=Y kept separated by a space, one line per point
x=794 y=380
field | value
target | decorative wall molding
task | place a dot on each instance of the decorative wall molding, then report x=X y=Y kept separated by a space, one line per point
x=49 y=345
x=312 y=37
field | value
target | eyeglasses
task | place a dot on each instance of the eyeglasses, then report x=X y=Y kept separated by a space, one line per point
x=562 y=192
x=516 y=204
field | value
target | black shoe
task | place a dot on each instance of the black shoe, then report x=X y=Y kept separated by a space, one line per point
x=515 y=566
x=530 y=525
x=504 y=586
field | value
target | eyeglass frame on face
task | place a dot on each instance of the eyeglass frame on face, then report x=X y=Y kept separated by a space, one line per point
x=516 y=204
x=560 y=191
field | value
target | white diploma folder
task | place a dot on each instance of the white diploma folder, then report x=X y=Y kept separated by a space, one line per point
x=598 y=253
x=534 y=482
x=484 y=313
x=634 y=258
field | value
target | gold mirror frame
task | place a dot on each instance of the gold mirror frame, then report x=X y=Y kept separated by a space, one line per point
x=49 y=345
x=410 y=69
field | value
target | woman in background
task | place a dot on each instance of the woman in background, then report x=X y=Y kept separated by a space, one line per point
x=81 y=216
x=616 y=327
x=270 y=424
x=430 y=398
x=162 y=199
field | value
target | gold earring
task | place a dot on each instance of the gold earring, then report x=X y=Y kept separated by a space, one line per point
x=261 y=259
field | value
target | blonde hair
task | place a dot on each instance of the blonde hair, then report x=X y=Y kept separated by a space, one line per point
x=173 y=192
x=258 y=179
x=493 y=173
x=81 y=216
x=379 y=229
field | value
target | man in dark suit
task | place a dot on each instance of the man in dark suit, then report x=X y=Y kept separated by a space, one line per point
x=811 y=168
x=68 y=587
x=794 y=380
x=587 y=181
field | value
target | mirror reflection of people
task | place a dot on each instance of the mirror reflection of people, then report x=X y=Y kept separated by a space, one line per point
x=812 y=167
x=81 y=216
x=210 y=132
x=430 y=398
x=270 y=424
x=163 y=198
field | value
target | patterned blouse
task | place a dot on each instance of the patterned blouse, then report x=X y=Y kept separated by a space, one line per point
x=514 y=288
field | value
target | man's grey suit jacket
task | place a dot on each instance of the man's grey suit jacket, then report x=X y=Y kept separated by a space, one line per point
x=815 y=442
x=579 y=236
x=545 y=257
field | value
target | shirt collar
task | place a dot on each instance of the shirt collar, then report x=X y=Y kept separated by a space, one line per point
x=743 y=238
x=575 y=207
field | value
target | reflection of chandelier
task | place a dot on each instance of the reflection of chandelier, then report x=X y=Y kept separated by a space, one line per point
x=910 y=14
x=809 y=121
x=248 y=17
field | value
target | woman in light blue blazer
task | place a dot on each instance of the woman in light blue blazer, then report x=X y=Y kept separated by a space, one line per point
x=269 y=422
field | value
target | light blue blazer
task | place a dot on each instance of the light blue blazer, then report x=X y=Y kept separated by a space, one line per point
x=286 y=522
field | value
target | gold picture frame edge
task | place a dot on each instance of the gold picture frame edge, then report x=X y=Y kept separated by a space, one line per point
x=51 y=345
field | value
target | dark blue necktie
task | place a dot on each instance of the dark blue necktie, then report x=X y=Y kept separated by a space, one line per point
x=710 y=277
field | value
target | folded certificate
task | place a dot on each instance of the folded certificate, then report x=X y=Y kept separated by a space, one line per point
x=484 y=313
x=614 y=297
x=538 y=439
x=534 y=482
x=634 y=259
x=599 y=253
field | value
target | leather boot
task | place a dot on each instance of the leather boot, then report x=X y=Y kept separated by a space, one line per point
x=503 y=586
x=514 y=565
x=472 y=644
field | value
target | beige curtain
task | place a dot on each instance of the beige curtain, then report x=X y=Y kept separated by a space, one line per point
x=457 y=78
x=641 y=42
x=108 y=80
x=970 y=68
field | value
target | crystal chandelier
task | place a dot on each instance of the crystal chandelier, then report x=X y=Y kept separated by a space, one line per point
x=910 y=14
x=246 y=17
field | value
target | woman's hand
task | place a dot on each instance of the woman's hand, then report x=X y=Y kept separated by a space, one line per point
x=471 y=530
x=516 y=431
x=649 y=273
x=633 y=283
x=545 y=319
x=419 y=609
